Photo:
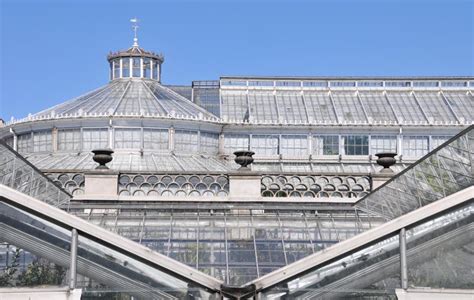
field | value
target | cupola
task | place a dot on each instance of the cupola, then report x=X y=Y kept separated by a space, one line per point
x=135 y=62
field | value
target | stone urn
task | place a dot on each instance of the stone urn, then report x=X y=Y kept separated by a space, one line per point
x=386 y=160
x=244 y=158
x=102 y=157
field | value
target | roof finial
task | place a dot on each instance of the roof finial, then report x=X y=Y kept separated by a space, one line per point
x=134 y=22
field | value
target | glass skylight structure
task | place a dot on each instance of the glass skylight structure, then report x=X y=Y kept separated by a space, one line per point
x=176 y=217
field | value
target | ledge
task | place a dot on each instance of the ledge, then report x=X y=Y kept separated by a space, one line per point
x=332 y=200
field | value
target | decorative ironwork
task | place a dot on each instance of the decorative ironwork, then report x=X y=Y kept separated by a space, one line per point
x=71 y=182
x=170 y=185
x=315 y=186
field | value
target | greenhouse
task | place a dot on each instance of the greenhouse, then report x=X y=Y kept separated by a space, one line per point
x=241 y=188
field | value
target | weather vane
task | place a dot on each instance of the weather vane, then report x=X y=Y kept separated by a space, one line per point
x=134 y=22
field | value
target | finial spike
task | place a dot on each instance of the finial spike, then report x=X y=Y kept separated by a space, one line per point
x=135 y=26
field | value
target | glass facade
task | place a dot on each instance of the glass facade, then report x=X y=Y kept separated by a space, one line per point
x=209 y=142
x=294 y=145
x=116 y=68
x=186 y=140
x=125 y=67
x=383 y=143
x=128 y=138
x=135 y=66
x=415 y=146
x=155 y=139
x=25 y=143
x=288 y=145
x=94 y=138
x=236 y=245
x=69 y=139
x=264 y=144
x=437 y=140
x=234 y=142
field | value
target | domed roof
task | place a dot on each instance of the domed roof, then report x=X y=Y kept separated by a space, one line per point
x=130 y=97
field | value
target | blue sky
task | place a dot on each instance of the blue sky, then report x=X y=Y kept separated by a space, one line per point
x=52 y=51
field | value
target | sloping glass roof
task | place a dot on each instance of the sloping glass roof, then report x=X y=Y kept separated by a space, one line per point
x=108 y=259
x=442 y=172
x=19 y=174
x=130 y=97
x=302 y=106
x=126 y=161
x=440 y=254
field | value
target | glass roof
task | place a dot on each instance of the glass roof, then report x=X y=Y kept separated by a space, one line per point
x=444 y=171
x=440 y=254
x=235 y=243
x=296 y=106
x=130 y=97
x=19 y=174
x=104 y=258
x=125 y=161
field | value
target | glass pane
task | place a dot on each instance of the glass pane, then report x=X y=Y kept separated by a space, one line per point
x=156 y=70
x=294 y=145
x=126 y=67
x=356 y=144
x=69 y=139
x=415 y=146
x=209 y=142
x=155 y=139
x=383 y=143
x=42 y=141
x=264 y=144
x=93 y=138
x=326 y=145
x=146 y=68
x=440 y=251
x=186 y=140
x=116 y=67
x=128 y=138
x=136 y=66
x=25 y=143
x=234 y=142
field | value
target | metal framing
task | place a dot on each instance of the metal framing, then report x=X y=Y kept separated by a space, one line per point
x=366 y=238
